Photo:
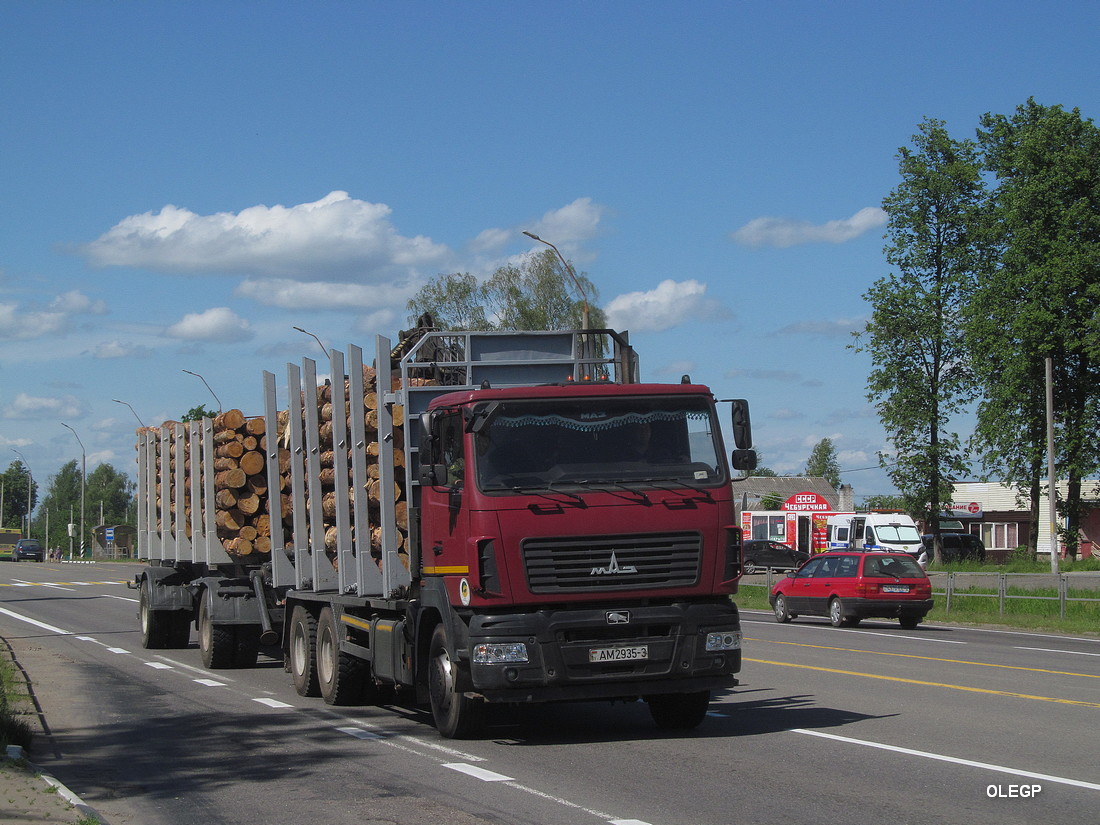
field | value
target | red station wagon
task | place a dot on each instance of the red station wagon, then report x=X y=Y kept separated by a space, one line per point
x=849 y=586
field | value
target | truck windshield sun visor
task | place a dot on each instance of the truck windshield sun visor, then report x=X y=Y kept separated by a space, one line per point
x=590 y=442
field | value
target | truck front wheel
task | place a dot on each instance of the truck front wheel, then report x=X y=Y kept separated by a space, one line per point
x=456 y=715
x=679 y=711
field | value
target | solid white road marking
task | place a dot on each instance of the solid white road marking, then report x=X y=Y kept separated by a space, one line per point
x=1052 y=650
x=1092 y=786
x=35 y=622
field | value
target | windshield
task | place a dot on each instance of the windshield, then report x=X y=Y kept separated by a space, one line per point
x=558 y=443
x=897 y=534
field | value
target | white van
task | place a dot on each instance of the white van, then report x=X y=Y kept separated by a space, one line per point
x=890 y=532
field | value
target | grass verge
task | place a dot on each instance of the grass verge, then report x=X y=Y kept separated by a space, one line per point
x=14 y=728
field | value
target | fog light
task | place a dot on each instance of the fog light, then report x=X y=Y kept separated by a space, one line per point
x=726 y=640
x=500 y=653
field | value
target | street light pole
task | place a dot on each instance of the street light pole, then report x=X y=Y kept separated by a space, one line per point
x=83 y=477
x=572 y=274
x=30 y=485
x=208 y=387
x=324 y=349
x=139 y=421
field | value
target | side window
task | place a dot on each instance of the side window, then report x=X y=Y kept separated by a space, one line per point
x=809 y=568
x=847 y=567
x=827 y=569
x=450 y=449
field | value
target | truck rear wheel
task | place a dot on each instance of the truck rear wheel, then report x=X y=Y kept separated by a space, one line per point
x=154 y=631
x=303 y=652
x=217 y=643
x=456 y=715
x=340 y=676
x=679 y=711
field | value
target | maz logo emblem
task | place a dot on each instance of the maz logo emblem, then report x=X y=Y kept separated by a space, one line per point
x=613 y=568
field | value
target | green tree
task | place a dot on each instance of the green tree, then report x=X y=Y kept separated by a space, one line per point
x=16 y=480
x=196 y=413
x=535 y=295
x=1043 y=300
x=823 y=462
x=62 y=503
x=921 y=378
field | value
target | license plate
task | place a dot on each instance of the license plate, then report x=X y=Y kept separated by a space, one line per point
x=618 y=654
x=895 y=588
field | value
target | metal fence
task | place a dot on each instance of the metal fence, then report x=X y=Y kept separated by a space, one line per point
x=961 y=585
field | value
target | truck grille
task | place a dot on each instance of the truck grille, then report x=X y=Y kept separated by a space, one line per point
x=609 y=563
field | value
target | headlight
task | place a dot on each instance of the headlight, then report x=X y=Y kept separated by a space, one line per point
x=499 y=654
x=726 y=640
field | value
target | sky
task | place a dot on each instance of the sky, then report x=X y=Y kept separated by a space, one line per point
x=184 y=183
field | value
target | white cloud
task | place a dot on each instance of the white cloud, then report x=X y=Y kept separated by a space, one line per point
x=784 y=232
x=291 y=294
x=671 y=303
x=836 y=328
x=31 y=407
x=119 y=349
x=335 y=234
x=217 y=324
x=566 y=228
x=23 y=323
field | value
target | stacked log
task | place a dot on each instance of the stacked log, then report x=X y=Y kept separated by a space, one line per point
x=243 y=504
x=240 y=483
x=327 y=479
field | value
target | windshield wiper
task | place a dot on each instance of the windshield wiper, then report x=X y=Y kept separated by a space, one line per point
x=539 y=491
x=661 y=483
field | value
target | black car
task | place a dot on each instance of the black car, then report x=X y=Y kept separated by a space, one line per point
x=29 y=549
x=957 y=546
x=761 y=554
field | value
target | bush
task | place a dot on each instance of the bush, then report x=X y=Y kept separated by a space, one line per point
x=14 y=729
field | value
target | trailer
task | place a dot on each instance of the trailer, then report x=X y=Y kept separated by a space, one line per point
x=476 y=518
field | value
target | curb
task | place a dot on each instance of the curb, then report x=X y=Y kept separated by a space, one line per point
x=15 y=753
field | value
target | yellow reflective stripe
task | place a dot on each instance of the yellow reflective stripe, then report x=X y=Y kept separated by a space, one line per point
x=356 y=621
x=456 y=570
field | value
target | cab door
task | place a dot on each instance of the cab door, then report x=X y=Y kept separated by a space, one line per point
x=445 y=517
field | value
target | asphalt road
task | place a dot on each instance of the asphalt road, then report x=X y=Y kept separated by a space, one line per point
x=864 y=725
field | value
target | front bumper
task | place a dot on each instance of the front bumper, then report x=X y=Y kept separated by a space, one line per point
x=559 y=644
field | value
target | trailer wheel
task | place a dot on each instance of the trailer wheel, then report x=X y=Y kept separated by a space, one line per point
x=303 y=652
x=456 y=715
x=679 y=711
x=340 y=676
x=248 y=646
x=217 y=643
x=178 y=634
x=154 y=633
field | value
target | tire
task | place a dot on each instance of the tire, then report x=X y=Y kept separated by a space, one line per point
x=247 y=648
x=679 y=711
x=750 y=567
x=340 y=676
x=217 y=643
x=836 y=613
x=909 y=622
x=456 y=715
x=178 y=635
x=303 y=652
x=154 y=632
x=782 y=614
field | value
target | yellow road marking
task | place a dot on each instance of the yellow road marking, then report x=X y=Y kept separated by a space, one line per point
x=932 y=659
x=929 y=684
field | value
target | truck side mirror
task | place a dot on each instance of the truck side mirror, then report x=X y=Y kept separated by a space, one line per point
x=742 y=426
x=430 y=474
x=743 y=460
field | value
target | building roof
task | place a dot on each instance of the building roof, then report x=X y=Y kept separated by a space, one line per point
x=749 y=491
